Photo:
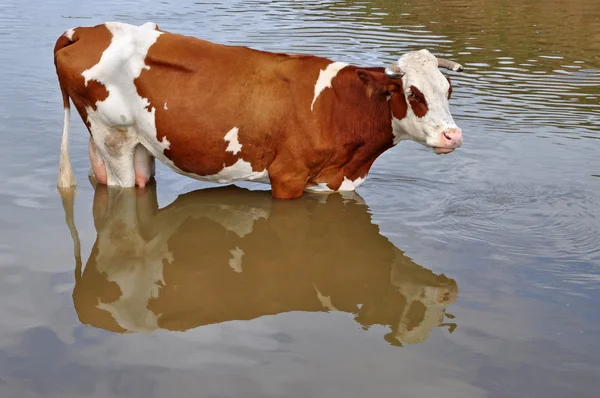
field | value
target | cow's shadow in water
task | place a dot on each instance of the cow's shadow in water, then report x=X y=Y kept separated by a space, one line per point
x=227 y=253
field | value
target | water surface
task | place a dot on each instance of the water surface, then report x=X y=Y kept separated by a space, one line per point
x=475 y=274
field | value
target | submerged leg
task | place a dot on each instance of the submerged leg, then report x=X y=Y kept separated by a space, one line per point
x=143 y=165
x=98 y=168
x=286 y=183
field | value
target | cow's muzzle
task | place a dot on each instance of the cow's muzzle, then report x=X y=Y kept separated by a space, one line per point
x=450 y=140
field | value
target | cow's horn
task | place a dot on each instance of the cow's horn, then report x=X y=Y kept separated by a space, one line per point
x=446 y=63
x=394 y=72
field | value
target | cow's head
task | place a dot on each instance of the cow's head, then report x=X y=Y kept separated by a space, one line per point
x=418 y=94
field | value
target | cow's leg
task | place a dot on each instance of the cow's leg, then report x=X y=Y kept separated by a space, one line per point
x=287 y=187
x=116 y=146
x=143 y=165
x=98 y=168
x=286 y=183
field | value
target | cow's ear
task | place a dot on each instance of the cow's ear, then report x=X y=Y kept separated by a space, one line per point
x=365 y=76
x=375 y=82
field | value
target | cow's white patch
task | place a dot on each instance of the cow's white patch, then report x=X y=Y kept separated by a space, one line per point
x=116 y=146
x=325 y=77
x=347 y=185
x=235 y=262
x=149 y=25
x=164 y=143
x=232 y=138
x=398 y=131
x=239 y=171
x=124 y=109
x=69 y=34
x=165 y=106
x=320 y=187
x=422 y=71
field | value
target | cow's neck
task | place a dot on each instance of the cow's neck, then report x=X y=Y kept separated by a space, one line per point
x=360 y=125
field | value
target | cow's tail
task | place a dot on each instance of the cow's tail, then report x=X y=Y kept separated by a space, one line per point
x=67 y=196
x=66 y=178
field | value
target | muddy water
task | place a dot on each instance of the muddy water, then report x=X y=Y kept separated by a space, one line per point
x=475 y=274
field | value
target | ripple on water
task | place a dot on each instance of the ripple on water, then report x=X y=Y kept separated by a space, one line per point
x=555 y=224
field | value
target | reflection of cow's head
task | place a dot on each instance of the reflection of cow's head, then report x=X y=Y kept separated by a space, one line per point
x=222 y=254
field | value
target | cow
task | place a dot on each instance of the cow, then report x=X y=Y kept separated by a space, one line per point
x=228 y=253
x=223 y=113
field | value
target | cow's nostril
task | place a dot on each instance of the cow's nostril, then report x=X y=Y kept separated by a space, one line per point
x=448 y=136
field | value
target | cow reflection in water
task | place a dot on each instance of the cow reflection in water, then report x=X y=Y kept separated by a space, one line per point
x=223 y=254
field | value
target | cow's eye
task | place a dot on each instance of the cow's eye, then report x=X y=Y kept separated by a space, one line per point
x=416 y=96
x=413 y=97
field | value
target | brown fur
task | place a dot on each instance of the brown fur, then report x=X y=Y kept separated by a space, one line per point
x=72 y=57
x=417 y=101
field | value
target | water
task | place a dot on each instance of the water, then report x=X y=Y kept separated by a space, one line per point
x=475 y=274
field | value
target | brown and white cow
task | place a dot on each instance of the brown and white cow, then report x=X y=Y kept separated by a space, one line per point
x=224 y=113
